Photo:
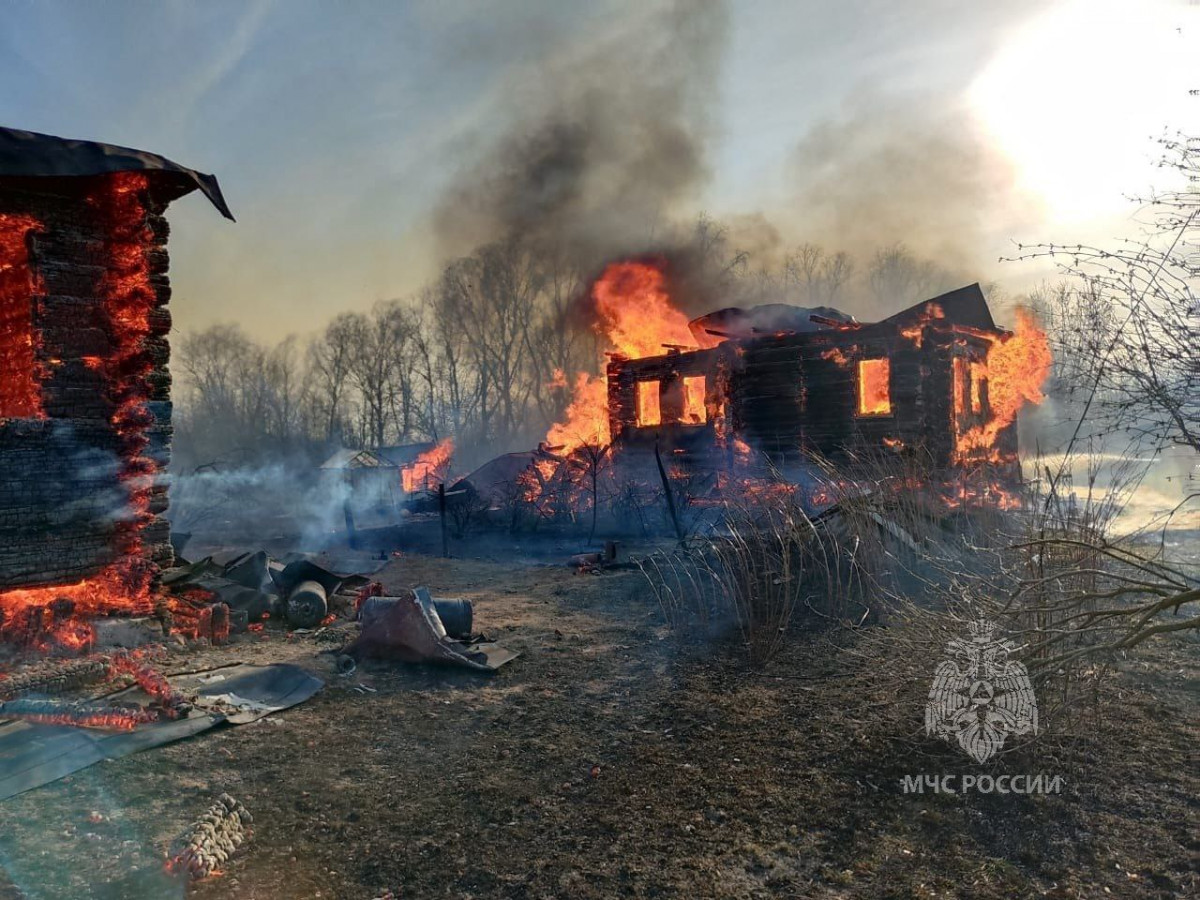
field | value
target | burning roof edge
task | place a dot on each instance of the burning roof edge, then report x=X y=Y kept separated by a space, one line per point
x=28 y=154
x=404 y=454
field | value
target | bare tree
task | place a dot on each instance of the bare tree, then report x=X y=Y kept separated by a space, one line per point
x=381 y=342
x=331 y=356
x=1127 y=320
x=897 y=278
x=816 y=276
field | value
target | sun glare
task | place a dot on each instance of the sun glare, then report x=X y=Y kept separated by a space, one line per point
x=1076 y=97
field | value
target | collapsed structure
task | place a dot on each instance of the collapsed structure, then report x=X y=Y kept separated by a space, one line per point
x=85 y=412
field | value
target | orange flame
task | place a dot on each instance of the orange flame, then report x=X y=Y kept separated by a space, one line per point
x=1017 y=366
x=586 y=416
x=874 y=392
x=916 y=332
x=649 y=403
x=429 y=468
x=19 y=376
x=693 y=398
x=636 y=318
x=636 y=315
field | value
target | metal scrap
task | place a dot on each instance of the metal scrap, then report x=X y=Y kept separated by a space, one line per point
x=409 y=628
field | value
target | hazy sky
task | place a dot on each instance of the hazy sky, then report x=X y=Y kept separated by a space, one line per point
x=337 y=127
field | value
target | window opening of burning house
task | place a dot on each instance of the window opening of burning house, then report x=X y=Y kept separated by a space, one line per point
x=970 y=390
x=694 y=412
x=649 y=404
x=19 y=382
x=874 y=393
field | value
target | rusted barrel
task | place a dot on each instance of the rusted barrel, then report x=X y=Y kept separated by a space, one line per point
x=306 y=605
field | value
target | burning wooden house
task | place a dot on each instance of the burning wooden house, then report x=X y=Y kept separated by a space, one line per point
x=85 y=412
x=933 y=377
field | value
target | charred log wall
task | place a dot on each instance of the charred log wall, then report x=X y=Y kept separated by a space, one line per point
x=77 y=485
x=794 y=394
x=667 y=371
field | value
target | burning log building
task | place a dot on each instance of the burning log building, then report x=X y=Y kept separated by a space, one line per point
x=816 y=381
x=938 y=384
x=85 y=412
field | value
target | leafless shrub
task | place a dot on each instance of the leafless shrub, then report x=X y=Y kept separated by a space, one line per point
x=767 y=567
x=1055 y=577
x=467 y=513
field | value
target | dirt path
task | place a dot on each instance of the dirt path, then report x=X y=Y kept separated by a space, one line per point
x=607 y=762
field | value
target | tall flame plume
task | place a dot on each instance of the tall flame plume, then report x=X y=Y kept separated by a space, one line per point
x=1016 y=369
x=635 y=317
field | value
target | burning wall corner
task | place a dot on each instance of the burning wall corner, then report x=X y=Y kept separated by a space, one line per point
x=85 y=414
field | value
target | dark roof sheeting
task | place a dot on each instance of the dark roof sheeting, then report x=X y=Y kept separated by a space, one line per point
x=27 y=154
x=964 y=306
x=768 y=318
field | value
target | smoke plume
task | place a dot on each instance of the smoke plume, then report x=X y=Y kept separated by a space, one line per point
x=604 y=144
x=915 y=171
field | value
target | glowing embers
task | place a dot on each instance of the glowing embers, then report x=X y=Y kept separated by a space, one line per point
x=20 y=396
x=129 y=298
x=649 y=404
x=58 y=615
x=874 y=392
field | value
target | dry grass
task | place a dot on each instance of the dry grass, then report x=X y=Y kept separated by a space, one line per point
x=893 y=545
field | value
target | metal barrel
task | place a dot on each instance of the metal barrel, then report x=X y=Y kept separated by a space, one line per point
x=306 y=605
x=457 y=616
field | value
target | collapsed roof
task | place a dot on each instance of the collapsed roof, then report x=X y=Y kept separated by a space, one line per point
x=965 y=306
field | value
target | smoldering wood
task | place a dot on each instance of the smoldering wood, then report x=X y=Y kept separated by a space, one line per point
x=209 y=842
x=61 y=500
